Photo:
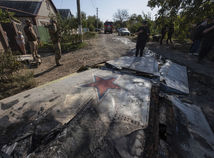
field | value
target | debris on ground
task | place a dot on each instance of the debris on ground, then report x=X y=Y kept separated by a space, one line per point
x=109 y=111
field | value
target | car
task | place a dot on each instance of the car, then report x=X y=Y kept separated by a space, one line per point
x=123 y=32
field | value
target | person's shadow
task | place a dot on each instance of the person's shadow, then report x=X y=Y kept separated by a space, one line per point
x=44 y=72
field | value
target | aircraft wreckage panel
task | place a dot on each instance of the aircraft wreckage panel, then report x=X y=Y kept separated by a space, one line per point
x=197 y=136
x=123 y=99
x=147 y=65
x=122 y=62
x=175 y=77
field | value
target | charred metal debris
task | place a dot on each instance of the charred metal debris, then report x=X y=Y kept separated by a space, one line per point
x=144 y=113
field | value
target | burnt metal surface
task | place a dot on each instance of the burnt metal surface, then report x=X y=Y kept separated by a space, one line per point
x=174 y=77
x=148 y=65
x=118 y=114
x=192 y=135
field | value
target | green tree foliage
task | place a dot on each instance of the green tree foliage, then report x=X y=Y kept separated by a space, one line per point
x=120 y=17
x=92 y=22
x=6 y=16
x=182 y=13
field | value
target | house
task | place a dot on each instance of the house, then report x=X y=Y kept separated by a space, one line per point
x=65 y=13
x=38 y=11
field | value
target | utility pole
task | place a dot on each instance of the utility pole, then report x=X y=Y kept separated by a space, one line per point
x=97 y=19
x=79 y=20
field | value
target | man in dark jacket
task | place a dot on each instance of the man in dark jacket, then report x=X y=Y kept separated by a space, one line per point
x=143 y=35
x=207 y=40
x=163 y=33
x=196 y=36
x=170 y=33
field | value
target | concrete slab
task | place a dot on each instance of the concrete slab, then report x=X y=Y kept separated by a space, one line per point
x=25 y=57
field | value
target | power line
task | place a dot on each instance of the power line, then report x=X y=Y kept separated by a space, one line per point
x=61 y=4
x=93 y=4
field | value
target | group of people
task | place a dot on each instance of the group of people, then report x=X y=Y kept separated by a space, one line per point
x=169 y=30
x=33 y=41
x=202 y=36
x=143 y=36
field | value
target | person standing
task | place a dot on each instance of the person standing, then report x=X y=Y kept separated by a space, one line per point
x=33 y=41
x=163 y=33
x=143 y=35
x=21 y=42
x=207 y=40
x=55 y=37
x=170 y=33
x=197 y=36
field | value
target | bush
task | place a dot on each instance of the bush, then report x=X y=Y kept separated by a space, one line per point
x=8 y=66
x=12 y=80
x=89 y=35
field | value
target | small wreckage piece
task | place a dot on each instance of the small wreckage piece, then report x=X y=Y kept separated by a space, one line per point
x=174 y=78
x=192 y=136
x=147 y=65
x=95 y=113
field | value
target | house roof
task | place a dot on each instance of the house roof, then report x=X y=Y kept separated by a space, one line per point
x=65 y=13
x=23 y=7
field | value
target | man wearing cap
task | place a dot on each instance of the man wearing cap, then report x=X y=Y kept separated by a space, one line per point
x=33 y=41
x=207 y=40
x=143 y=35
x=55 y=37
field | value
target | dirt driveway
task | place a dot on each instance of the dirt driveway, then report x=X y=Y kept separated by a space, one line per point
x=102 y=48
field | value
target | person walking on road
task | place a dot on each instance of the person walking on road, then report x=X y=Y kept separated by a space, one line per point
x=55 y=37
x=33 y=41
x=143 y=35
x=207 y=40
x=163 y=33
x=170 y=33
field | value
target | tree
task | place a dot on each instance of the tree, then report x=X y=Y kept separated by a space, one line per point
x=6 y=16
x=121 y=16
x=92 y=20
x=182 y=13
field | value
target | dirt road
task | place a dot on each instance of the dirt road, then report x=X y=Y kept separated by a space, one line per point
x=102 y=48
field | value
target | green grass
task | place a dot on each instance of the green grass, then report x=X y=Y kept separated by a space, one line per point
x=66 y=47
x=18 y=83
x=89 y=35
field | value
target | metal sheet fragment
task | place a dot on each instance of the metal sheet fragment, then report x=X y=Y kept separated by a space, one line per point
x=199 y=141
x=175 y=77
x=147 y=65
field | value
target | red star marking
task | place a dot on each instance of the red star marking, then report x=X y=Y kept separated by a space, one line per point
x=102 y=85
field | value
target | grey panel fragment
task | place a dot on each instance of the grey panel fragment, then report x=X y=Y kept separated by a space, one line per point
x=175 y=77
x=148 y=65
x=200 y=140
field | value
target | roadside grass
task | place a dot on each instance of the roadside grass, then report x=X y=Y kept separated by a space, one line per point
x=89 y=35
x=13 y=77
x=71 y=43
x=67 y=47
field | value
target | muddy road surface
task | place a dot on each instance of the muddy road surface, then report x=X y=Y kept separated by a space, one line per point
x=100 y=49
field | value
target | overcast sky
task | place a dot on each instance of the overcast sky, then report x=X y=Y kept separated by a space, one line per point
x=106 y=7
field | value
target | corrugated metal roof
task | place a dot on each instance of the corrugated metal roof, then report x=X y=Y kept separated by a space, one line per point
x=21 y=8
x=65 y=13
